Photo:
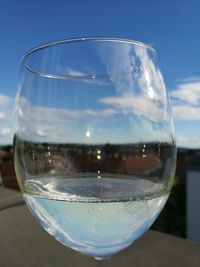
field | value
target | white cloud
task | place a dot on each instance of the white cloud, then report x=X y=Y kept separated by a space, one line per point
x=185 y=141
x=186 y=108
x=88 y=76
x=140 y=106
x=186 y=112
x=6 y=115
x=44 y=123
x=56 y=115
x=190 y=79
x=186 y=99
x=6 y=135
x=2 y=116
x=75 y=73
x=6 y=131
x=5 y=100
x=188 y=92
x=139 y=86
x=41 y=132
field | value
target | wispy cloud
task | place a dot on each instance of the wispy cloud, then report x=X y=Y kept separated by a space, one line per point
x=75 y=73
x=6 y=131
x=88 y=76
x=189 y=79
x=186 y=112
x=188 y=91
x=187 y=141
x=28 y=112
x=140 y=91
x=137 y=105
x=186 y=109
x=6 y=115
x=186 y=99
x=5 y=100
x=47 y=123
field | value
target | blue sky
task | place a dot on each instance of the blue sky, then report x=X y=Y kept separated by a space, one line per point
x=172 y=27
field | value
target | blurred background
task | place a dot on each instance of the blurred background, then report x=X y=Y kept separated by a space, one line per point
x=171 y=27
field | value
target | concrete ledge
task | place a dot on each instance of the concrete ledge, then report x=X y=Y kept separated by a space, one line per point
x=9 y=198
x=11 y=201
x=24 y=243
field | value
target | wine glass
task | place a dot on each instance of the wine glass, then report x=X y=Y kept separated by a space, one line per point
x=94 y=142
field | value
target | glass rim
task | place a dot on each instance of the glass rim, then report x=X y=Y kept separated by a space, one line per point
x=80 y=39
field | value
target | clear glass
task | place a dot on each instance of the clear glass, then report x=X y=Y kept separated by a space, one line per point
x=94 y=144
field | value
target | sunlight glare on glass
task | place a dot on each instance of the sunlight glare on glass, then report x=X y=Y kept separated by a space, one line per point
x=151 y=92
x=98 y=176
x=88 y=134
x=148 y=80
